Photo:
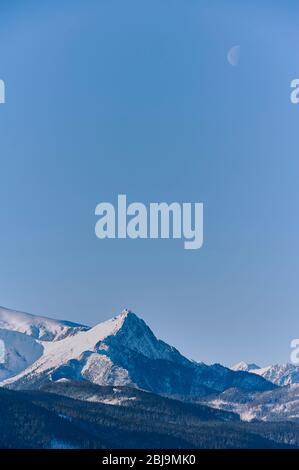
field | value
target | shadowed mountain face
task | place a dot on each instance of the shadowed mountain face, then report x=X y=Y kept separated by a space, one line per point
x=138 y=400
x=25 y=424
x=124 y=351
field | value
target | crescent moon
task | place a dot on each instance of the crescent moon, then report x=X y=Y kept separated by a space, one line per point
x=233 y=55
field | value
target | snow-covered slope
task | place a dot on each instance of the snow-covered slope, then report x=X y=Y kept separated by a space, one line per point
x=279 y=374
x=124 y=351
x=20 y=352
x=43 y=328
x=245 y=367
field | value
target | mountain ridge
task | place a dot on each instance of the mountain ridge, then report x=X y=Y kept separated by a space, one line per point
x=279 y=374
x=125 y=351
x=39 y=327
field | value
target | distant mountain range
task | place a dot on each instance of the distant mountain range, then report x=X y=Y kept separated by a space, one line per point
x=285 y=374
x=116 y=384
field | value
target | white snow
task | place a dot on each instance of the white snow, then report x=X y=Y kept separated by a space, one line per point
x=94 y=366
x=90 y=352
x=244 y=366
x=42 y=328
x=20 y=352
x=279 y=374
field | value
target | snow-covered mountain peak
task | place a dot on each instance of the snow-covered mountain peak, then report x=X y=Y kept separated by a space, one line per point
x=125 y=312
x=128 y=315
x=279 y=374
x=125 y=320
x=244 y=366
x=103 y=330
x=125 y=351
x=128 y=332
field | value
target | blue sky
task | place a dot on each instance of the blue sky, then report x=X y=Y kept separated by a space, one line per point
x=137 y=97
